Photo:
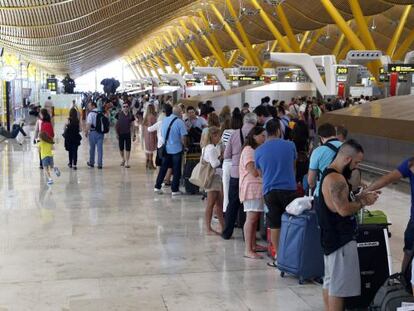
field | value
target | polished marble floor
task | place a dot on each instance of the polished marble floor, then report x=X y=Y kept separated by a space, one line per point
x=101 y=240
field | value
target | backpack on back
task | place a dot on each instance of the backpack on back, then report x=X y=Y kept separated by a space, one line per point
x=102 y=123
x=334 y=149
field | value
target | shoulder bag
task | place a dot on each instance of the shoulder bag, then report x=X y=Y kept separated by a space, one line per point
x=163 y=148
x=203 y=173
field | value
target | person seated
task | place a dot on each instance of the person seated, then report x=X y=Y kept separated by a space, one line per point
x=16 y=128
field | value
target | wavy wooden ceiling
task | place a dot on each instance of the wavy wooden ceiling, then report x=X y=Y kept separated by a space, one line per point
x=76 y=36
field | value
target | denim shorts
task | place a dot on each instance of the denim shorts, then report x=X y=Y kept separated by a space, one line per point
x=47 y=161
x=409 y=236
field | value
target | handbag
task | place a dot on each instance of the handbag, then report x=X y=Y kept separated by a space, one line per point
x=203 y=173
x=163 y=148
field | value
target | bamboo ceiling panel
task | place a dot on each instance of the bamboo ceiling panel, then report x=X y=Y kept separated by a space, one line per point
x=77 y=35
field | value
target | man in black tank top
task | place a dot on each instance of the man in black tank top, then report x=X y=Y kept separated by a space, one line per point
x=336 y=210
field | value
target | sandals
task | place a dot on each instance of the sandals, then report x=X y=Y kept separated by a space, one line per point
x=260 y=249
x=272 y=264
x=256 y=256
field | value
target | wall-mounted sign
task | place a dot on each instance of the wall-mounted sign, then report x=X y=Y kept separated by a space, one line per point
x=342 y=78
x=403 y=68
x=341 y=70
x=253 y=78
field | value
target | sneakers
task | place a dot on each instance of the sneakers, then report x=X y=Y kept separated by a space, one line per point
x=166 y=184
x=57 y=171
x=158 y=191
x=176 y=194
x=89 y=164
x=50 y=181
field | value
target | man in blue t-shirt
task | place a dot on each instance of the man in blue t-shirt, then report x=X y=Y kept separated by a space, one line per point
x=174 y=149
x=276 y=161
x=404 y=170
x=322 y=156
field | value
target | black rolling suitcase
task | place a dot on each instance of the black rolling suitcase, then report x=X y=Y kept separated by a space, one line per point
x=191 y=160
x=374 y=263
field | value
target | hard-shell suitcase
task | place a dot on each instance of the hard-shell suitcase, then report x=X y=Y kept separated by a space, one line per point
x=191 y=160
x=392 y=294
x=300 y=252
x=374 y=263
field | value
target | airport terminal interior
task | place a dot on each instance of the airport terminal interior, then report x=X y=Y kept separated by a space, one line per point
x=206 y=155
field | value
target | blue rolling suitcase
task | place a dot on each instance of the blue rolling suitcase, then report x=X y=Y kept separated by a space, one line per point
x=300 y=252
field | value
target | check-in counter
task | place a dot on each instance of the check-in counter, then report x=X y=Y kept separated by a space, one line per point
x=384 y=128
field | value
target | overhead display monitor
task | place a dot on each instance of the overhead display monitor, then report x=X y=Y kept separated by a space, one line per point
x=52 y=84
x=342 y=70
x=253 y=78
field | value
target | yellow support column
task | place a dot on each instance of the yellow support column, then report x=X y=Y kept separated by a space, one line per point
x=158 y=60
x=272 y=49
x=179 y=56
x=167 y=58
x=338 y=45
x=140 y=72
x=341 y=23
x=213 y=38
x=344 y=51
x=171 y=62
x=303 y=41
x=148 y=68
x=400 y=27
x=274 y=45
x=244 y=36
x=155 y=69
x=193 y=45
x=190 y=49
x=362 y=24
x=234 y=55
x=276 y=33
x=144 y=69
x=210 y=46
x=161 y=64
x=287 y=28
x=134 y=70
x=400 y=53
x=138 y=68
x=233 y=36
x=315 y=38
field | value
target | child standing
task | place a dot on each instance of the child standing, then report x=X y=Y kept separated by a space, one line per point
x=250 y=186
x=46 y=155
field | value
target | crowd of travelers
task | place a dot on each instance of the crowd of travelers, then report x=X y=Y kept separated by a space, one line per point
x=261 y=159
